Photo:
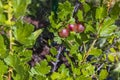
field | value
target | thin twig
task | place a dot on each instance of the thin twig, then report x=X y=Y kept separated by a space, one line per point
x=9 y=74
x=77 y=4
x=57 y=57
x=100 y=67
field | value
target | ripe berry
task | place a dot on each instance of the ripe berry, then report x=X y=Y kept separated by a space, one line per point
x=64 y=33
x=80 y=28
x=72 y=27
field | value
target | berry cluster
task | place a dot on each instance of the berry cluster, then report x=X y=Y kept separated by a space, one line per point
x=79 y=28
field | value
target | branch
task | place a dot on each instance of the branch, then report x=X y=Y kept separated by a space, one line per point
x=58 y=57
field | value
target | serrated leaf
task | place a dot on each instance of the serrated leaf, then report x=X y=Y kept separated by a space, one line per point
x=22 y=72
x=64 y=9
x=25 y=55
x=95 y=52
x=62 y=68
x=3 y=69
x=12 y=60
x=101 y=12
x=50 y=58
x=63 y=15
x=66 y=6
x=55 y=76
x=83 y=77
x=51 y=18
x=86 y=7
x=111 y=57
x=20 y=7
x=33 y=72
x=58 y=40
x=2 y=47
x=73 y=49
x=107 y=27
x=88 y=70
x=89 y=28
x=76 y=71
x=79 y=56
x=108 y=21
x=42 y=68
x=107 y=30
x=24 y=33
x=103 y=74
x=80 y=15
x=53 y=50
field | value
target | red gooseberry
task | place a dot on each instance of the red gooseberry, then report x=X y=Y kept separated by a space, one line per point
x=64 y=33
x=80 y=28
x=72 y=27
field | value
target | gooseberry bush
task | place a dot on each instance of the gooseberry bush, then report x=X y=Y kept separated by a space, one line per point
x=81 y=40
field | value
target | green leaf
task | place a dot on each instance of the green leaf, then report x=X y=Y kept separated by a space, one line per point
x=37 y=33
x=80 y=15
x=101 y=12
x=107 y=28
x=103 y=74
x=2 y=18
x=33 y=71
x=36 y=77
x=79 y=56
x=25 y=55
x=89 y=28
x=55 y=75
x=71 y=20
x=1 y=7
x=115 y=12
x=73 y=49
x=64 y=10
x=86 y=7
x=12 y=60
x=21 y=72
x=66 y=6
x=81 y=1
x=1 y=4
x=82 y=77
x=24 y=33
x=107 y=31
x=108 y=21
x=88 y=70
x=58 y=40
x=76 y=71
x=3 y=69
x=111 y=57
x=50 y=58
x=2 y=47
x=62 y=68
x=42 y=68
x=53 y=50
x=20 y=7
x=95 y=52
x=51 y=18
